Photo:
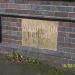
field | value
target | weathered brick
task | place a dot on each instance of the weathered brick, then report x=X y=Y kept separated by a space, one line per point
x=61 y=14
x=6 y=40
x=73 y=56
x=12 y=6
x=64 y=24
x=2 y=10
x=73 y=29
x=71 y=61
x=65 y=9
x=63 y=44
x=68 y=29
x=62 y=39
x=4 y=1
x=62 y=29
x=5 y=23
x=71 y=4
x=73 y=9
x=66 y=49
x=49 y=8
x=15 y=24
x=72 y=46
x=6 y=36
x=72 y=50
x=62 y=34
x=11 y=11
x=6 y=27
x=14 y=28
x=72 y=15
x=73 y=40
x=19 y=1
x=72 y=24
x=6 y=32
x=3 y=5
x=67 y=40
x=72 y=35
x=16 y=37
x=67 y=55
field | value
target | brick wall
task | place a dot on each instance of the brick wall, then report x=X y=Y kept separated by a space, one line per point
x=52 y=9
x=11 y=28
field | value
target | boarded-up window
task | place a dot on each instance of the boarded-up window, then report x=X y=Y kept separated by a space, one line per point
x=39 y=33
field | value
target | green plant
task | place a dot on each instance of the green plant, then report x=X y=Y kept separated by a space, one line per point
x=14 y=57
x=39 y=65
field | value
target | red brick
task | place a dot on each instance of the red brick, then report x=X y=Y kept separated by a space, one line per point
x=72 y=15
x=65 y=24
x=72 y=45
x=4 y=1
x=72 y=35
x=61 y=14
